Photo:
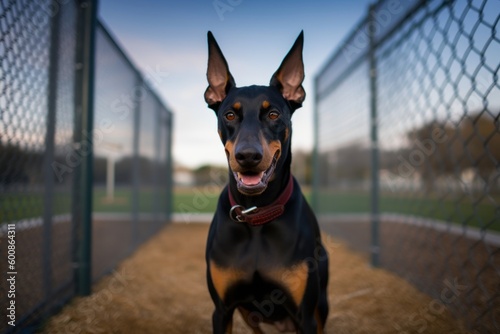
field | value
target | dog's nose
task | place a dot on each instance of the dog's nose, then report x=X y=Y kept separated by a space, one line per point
x=249 y=157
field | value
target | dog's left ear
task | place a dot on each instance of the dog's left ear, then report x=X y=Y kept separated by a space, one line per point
x=289 y=76
x=220 y=80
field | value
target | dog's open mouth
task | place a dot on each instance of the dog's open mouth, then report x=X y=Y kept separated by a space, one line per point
x=252 y=182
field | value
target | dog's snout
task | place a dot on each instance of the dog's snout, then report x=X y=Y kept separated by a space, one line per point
x=249 y=156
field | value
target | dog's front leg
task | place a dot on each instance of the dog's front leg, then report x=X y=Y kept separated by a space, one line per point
x=309 y=311
x=222 y=321
x=308 y=324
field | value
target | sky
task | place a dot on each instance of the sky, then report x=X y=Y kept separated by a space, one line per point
x=167 y=41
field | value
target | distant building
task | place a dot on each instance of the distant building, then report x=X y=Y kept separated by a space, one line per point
x=183 y=176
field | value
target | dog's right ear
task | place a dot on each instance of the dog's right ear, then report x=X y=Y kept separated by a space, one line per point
x=220 y=80
x=289 y=76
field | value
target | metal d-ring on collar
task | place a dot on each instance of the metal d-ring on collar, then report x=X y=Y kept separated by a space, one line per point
x=239 y=218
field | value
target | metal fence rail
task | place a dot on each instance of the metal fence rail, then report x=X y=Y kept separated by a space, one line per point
x=84 y=168
x=408 y=150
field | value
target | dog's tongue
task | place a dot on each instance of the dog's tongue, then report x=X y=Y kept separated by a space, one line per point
x=250 y=180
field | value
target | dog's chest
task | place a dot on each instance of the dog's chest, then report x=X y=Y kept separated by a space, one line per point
x=259 y=249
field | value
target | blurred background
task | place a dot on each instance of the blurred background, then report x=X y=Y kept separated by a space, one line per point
x=105 y=137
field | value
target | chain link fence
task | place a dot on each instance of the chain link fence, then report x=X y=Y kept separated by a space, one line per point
x=408 y=151
x=47 y=233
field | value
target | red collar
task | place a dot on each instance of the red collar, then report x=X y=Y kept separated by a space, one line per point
x=258 y=216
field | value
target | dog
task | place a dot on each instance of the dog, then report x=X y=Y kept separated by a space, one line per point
x=264 y=252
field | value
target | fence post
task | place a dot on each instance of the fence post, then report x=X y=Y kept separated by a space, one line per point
x=84 y=103
x=48 y=175
x=156 y=167
x=315 y=153
x=136 y=168
x=374 y=215
x=169 y=171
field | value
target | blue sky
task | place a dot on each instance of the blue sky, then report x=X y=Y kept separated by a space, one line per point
x=167 y=40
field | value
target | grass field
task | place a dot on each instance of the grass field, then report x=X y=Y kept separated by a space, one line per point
x=471 y=212
x=478 y=213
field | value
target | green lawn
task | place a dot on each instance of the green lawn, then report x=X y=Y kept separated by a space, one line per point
x=194 y=202
x=122 y=202
x=19 y=206
x=472 y=212
x=185 y=200
x=478 y=212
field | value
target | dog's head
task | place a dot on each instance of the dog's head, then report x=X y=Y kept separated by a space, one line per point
x=255 y=122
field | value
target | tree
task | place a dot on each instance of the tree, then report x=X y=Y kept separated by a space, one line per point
x=480 y=134
x=440 y=148
x=208 y=174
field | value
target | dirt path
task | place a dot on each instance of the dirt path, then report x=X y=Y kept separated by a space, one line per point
x=162 y=289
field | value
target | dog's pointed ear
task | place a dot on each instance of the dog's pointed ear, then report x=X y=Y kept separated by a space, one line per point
x=220 y=80
x=289 y=76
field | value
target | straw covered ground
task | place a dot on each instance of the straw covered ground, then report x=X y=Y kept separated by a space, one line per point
x=162 y=289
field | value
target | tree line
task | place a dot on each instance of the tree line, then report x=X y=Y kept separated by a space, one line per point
x=435 y=149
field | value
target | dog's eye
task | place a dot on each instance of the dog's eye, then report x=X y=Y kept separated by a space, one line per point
x=230 y=116
x=273 y=115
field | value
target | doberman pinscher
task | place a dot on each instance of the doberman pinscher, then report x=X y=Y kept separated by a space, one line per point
x=264 y=252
